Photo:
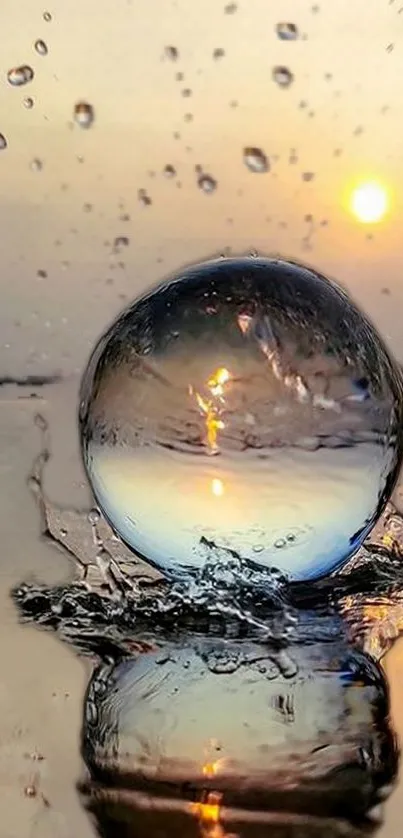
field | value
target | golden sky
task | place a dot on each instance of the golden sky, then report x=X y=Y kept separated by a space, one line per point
x=341 y=117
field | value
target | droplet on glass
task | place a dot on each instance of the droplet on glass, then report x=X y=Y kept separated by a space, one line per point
x=36 y=165
x=165 y=421
x=172 y=53
x=84 y=114
x=3 y=142
x=218 y=53
x=28 y=103
x=255 y=159
x=41 y=47
x=282 y=76
x=169 y=171
x=144 y=198
x=206 y=183
x=19 y=76
x=287 y=31
x=47 y=17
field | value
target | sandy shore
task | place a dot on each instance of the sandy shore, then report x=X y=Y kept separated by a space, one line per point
x=42 y=680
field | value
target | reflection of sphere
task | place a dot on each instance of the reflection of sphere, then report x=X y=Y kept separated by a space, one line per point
x=303 y=732
x=249 y=405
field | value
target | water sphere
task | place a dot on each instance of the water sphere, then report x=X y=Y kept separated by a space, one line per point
x=245 y=407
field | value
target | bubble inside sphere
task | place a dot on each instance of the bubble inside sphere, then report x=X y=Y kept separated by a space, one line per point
x=245 y=404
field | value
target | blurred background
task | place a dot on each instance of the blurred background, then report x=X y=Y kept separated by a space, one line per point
x=125 y=154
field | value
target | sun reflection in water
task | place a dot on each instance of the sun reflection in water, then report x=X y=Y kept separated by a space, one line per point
x=211 y=408
x=208 y=810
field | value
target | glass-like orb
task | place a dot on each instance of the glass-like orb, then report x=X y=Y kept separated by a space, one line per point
x=246 y=404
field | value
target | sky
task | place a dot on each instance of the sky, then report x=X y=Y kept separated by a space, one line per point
x=339 y=120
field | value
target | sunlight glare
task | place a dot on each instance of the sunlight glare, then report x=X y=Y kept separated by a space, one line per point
x=369 y=202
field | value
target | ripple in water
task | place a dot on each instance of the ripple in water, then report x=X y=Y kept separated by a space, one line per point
x=245 y=403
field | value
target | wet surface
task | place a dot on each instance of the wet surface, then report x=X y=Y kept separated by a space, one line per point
x=94 y=612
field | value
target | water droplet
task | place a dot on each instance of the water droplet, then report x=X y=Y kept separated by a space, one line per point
x=283 y=76
x=28 y=103
x=19 y=76
x=218 y=53
x=121 y=241
x=172 y=53
x=293 y=157
x=84 y=114
x=376 y=814
x=258 y=548
x=36 y=165
x=255 y=159
x=223 y=661
x=3 y=142
x=207 y=183
x=163 y=421
x=287 y=31
x=144 y=198
x=94 y=516
x=47 y=17
x=41 y=47
x=169 y=171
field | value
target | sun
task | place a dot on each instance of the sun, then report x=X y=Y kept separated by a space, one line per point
x=369 y=202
